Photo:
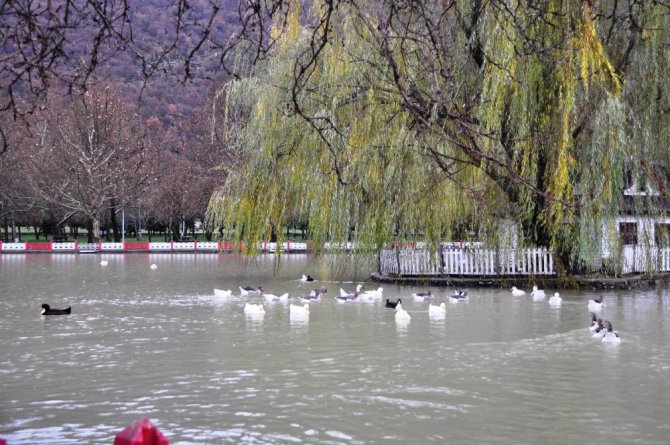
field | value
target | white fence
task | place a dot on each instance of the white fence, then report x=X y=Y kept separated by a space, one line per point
x=642 y=259
x=476 y=261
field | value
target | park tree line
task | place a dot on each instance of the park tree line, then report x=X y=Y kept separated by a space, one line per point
x=87 y=160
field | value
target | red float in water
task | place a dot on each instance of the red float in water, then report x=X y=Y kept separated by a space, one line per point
x=141 y=432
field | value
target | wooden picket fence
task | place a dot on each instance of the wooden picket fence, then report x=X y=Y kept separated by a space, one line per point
x=467 y=261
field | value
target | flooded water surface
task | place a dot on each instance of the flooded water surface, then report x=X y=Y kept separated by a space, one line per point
x=158 y=343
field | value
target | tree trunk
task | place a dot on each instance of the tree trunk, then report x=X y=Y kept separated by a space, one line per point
x=273 y=234
x=114 y=223
x=95 y=229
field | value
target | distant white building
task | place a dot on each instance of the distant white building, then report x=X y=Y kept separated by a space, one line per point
x=636 y=237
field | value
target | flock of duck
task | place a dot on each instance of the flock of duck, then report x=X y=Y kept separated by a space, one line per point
x=600 y=329
x=302 y=309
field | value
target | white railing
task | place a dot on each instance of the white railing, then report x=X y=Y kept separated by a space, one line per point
x=476 y=261
x=107 y=247
x=529 y=261
x=208 y=245
x=13 y=247
x=418 y=262
x=469 y=261
x=183 y=246
x=64 y=247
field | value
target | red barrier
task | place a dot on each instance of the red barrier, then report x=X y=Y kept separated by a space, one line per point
x=136 y=245
x=142 y=432
x=39 y=246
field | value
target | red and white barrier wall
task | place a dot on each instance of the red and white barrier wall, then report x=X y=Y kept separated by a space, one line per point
x=146 y=246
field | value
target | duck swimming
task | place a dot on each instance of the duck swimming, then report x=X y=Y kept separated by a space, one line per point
x=556 y=300
x=537 y=294
x=599 y=331
x=314 y=295
x=223 y=293
x=433 y=309
x=518 y=292
x=345 y=296
x=372 y=295
x=596 y=304
x=460 y=296
x=393 y=304
x=251 y=290
x=46 y=310
x=610 y=336
x=254 y=309
x=283 y=298
x=294 y=309
x=423 y=296
x=401 y=315
x=306 y=278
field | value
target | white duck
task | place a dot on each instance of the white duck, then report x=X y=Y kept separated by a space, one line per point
x=556 y=300
x=423 y=296
x=537 y=294
x=596 y=304
x=221 y=293
x=372 y=295
x=295 y=310
x=434 y=309
x=306 y=278
x=612 y=337
x=401 y=315
x=153 y=266
x=274 y=298
x=104 y=263
x=518 y=292
x=253 y=309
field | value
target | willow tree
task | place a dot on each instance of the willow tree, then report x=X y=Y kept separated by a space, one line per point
x=400 y=120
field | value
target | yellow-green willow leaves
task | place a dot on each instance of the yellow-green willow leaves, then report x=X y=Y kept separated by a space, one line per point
x=418 y=121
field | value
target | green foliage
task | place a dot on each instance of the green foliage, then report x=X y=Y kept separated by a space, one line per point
x=398 y=131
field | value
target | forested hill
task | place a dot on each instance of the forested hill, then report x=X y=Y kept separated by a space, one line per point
x=149 y=56
x=166 y=93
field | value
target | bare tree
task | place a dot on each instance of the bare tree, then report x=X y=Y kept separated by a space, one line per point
x=90 y=155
